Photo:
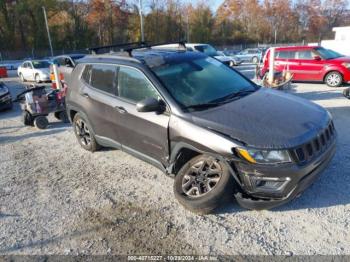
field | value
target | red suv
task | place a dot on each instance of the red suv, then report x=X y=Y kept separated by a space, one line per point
x=311 y=63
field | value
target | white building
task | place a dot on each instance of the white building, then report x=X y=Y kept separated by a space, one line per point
x=341 y=42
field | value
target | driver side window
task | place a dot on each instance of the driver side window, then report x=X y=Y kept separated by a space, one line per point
x=134 y=86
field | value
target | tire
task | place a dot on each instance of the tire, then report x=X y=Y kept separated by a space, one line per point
x=62 y=115
x=41 y=122
x=37 y=78
x=346 y=93
x=255 y=60
x=27 y=119
x=84 y=133
x=333 y=79
x=186 y=192
x=21 y=77
x=10 y=106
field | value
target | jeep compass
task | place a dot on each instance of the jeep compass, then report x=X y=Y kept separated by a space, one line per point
x=201 y=122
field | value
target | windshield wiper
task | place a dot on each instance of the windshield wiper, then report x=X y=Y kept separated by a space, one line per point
x=233 y=96
x=221 y=100
x=202 y=106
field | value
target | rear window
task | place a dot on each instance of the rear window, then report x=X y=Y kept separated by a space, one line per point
x=103 y=77
x=86 y=74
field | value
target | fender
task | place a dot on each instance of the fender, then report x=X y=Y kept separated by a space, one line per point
x=183 y=145
x=329 y=68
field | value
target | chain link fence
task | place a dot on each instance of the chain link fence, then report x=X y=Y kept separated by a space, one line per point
x=20 y=55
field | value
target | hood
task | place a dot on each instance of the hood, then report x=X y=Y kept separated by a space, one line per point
x=266 y=119
x=45 y=71
x=341 y=59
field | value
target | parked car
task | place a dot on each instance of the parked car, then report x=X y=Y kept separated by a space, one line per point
x=311 y=63
x=34 y=70
x=3 y=71
x=65 y=63
x=5 y=97
x=215 y=131
x=253 y=55
x=237 y=60
x=231 y=52
x=209 y=51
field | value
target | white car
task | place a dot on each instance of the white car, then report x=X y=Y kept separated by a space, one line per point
x=34 y=70
x=208 y=50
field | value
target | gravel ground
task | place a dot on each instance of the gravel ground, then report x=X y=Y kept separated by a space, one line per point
x=56 y=198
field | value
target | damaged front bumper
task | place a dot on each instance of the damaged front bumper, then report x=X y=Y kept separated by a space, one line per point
x=286 y=181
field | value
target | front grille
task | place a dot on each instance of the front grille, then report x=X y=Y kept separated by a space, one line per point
x=315 y=147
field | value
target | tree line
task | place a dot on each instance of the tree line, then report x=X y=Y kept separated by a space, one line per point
x=77 y=24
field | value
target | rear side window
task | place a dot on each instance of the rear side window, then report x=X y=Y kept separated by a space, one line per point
x=133 y=85
x=103 y=77
x=286 y=54
x=305 y=54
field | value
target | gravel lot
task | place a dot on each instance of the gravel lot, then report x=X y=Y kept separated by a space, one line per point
x=56 y=198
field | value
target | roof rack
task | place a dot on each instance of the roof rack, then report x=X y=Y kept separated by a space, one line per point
x=121 y=47
x=129 y=47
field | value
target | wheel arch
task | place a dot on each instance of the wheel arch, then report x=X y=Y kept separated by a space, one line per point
x=71 y=114
x=72 y=111
x=183 y=152
x=332 y=70
x=181 y=155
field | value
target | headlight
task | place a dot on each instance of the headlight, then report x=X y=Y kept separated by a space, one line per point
x=264 y=156
x=347 y=65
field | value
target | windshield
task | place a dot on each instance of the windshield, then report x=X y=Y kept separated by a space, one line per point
x=201 y=80
x=206 y=49
x=41 y=64
x=327 y=53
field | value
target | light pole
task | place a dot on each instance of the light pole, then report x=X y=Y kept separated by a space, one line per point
x=141 y=21
x=48 y=31
x=275 y=36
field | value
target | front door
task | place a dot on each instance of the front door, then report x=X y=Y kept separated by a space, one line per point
x=146 y=133
x=310 y=68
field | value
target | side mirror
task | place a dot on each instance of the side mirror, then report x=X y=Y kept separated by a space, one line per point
x=150 y=104
x=317 y=58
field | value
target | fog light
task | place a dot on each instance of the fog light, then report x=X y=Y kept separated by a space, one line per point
x=268 y=184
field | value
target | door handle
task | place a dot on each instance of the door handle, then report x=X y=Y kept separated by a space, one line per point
x=120 y=109
x=85 y=95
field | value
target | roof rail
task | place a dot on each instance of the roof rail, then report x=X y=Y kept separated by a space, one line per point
x=129 y=47
x=122 y=47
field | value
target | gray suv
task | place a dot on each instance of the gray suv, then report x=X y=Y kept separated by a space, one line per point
x=203 y=123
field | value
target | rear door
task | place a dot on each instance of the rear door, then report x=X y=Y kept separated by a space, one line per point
x=145 y=133
x=285 y=61
x=98 y=96
x=27 y=71
x=309 y=68
x=23 y=69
